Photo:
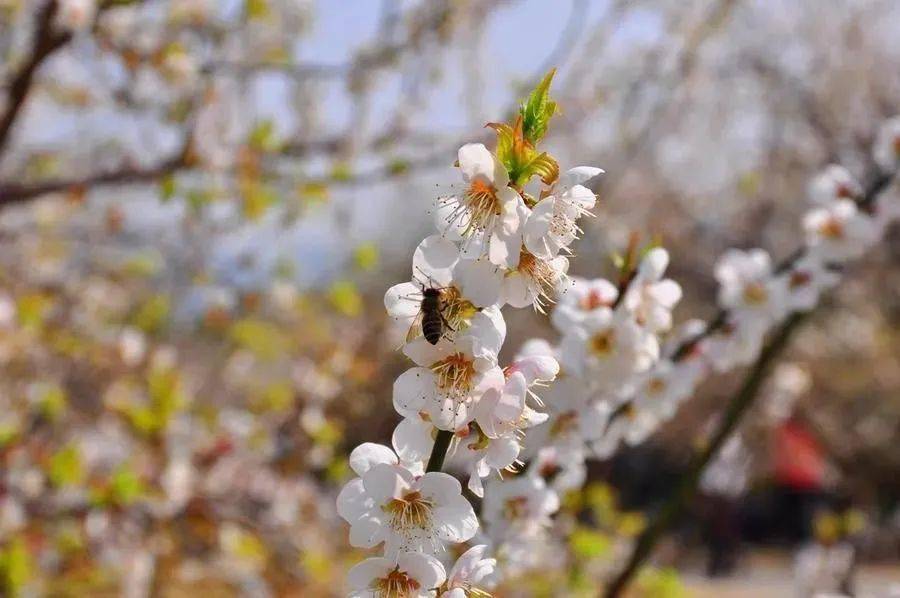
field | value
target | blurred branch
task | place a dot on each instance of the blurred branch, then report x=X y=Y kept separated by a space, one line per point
x=14 y=193
x=738 y=406
x=687 y=61
x=46 y=41
x=721 y=318
x=736 y=409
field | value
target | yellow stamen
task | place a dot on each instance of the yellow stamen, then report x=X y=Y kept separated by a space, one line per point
x=397 y=584
x=411 y=511
x=602 y=343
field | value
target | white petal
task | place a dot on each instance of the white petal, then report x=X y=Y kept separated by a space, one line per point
x=667 y=292
x=476 y=161
x=413 y=389
x=384 y=482
x=502 y=452
x=459 y=521
x=424 y=353
x=352 y=501
x=505 y=243
x=362 y=574
x=369 y=454
x=433 y=261
x=424 y=568
x=412 y=439
x=578 y=176
x=403 y=300
x=438 y=485
x=654 y=264
x=516 y=290
x=537 y=368
x=479 y=281
x=366 y=533
x=536 y=234
x=580 y=196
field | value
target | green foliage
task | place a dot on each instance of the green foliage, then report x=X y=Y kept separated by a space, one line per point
x=256 y=198
x=341 y=172
x=262 y=137
x=520 y=158
x=660 y=583
x=52 y=402
x=256 y=9
x=66 y=468
x=33 y=309
x=264 y=339
x=153 y=314
x=125 y=487
x=537 y=110
x=587 y=543
x=15 y=567
x=345 y=298
x=365 y=256
x=167 y=188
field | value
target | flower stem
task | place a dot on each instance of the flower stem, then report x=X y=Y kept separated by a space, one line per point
x=736 y=409
x=439 y=450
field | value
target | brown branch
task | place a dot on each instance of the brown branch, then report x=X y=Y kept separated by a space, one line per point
x=47 y=41
x=14 y=193
x=735 y=411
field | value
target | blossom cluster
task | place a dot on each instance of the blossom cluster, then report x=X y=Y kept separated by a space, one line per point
x=619 y=370
x=624 y=371
x=496 y=245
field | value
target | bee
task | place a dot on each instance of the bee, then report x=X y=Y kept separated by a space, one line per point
x=431 y=319
x=432 y=315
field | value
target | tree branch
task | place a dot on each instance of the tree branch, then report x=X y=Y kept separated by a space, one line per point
x=47 y=41
x=738 y=406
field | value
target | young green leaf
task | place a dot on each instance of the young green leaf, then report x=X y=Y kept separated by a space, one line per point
x=537 y=110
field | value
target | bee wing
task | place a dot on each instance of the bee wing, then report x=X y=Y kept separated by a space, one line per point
x=415 y=329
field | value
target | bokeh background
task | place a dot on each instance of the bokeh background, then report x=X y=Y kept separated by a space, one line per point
x=202 y=203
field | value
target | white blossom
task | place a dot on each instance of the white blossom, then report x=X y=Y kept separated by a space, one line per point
x=834 y=183
x=451 y=376
x=886 y=149
x=469 y=574
x=488 y=212
x=552 y=225
x=389 y=504
x=839 y=232
x=748 y=289
x=409 y=575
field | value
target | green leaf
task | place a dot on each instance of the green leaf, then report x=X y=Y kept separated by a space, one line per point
x=263 y=138
x=265 y=339
x=520 y=158
x=365 y=256
x=345 y=298
x=15 y=567
x=125 y=487
x=153 y=314
x=167 y=188
x=544 y=166
x=66 y=468
x=537 y=110
x=587 y=543
x=661 y=583
x=256 y=9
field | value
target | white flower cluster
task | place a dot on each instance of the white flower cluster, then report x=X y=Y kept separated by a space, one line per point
x=492 y=249
x=620 y=379
x=622 y=370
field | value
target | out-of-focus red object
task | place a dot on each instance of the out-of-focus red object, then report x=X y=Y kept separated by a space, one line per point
x=799 y=459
